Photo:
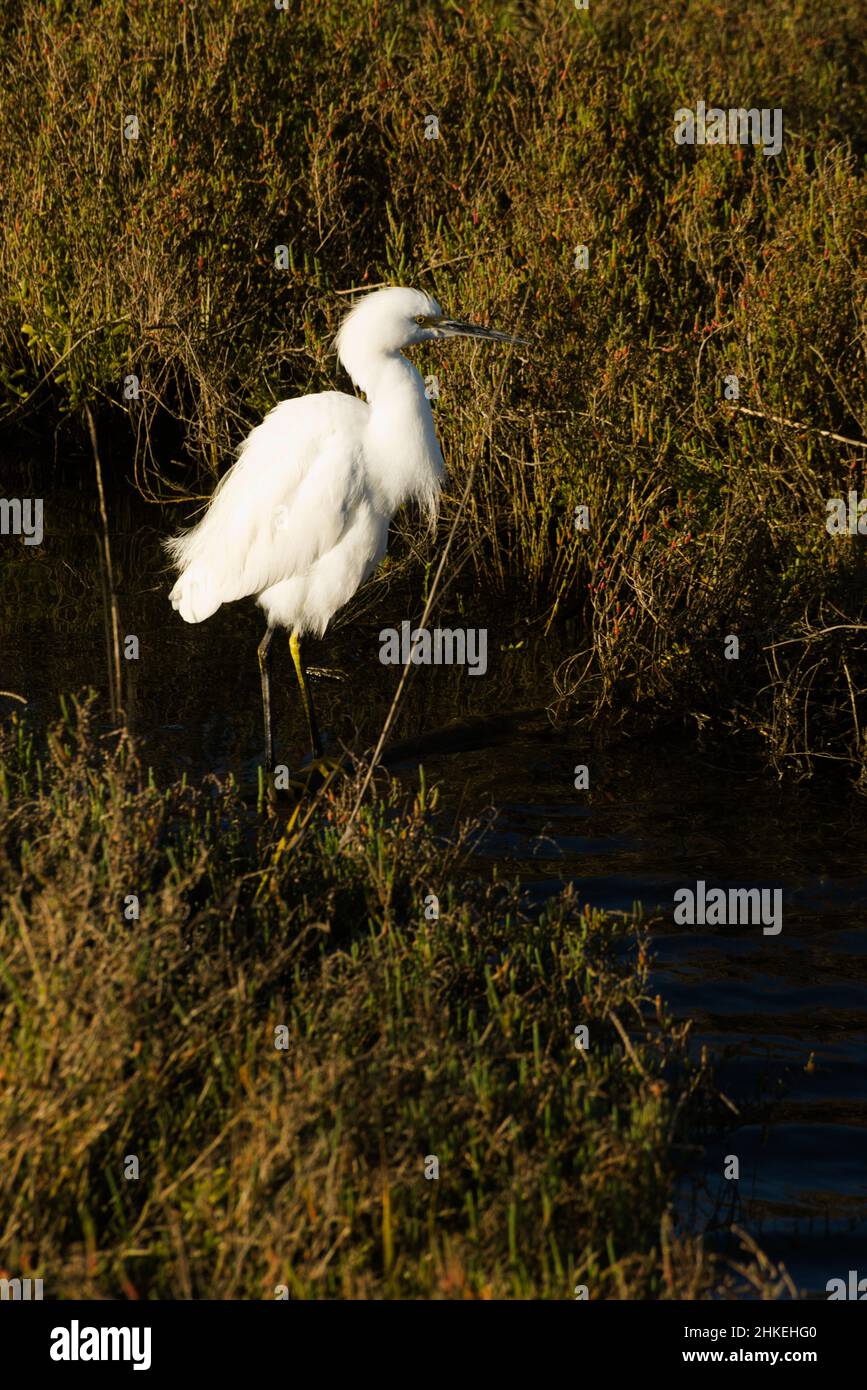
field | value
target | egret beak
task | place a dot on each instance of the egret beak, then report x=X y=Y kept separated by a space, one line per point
x=453 y=328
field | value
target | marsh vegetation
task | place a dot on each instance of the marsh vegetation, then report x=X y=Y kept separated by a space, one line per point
x=154 y=258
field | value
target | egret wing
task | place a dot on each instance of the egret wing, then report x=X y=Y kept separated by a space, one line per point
x=286 y=501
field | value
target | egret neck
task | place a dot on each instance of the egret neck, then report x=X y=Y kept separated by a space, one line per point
x=400 y=410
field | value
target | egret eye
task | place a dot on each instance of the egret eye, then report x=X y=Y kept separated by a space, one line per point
x=421 y=320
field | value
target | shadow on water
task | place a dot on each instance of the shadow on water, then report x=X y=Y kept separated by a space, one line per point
x=785 y=1016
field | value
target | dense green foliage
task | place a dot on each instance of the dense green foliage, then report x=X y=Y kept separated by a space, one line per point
x=306 y=128
x=298 y=1157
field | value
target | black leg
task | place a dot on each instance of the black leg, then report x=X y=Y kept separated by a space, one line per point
x=265 y=673
x=306 y=697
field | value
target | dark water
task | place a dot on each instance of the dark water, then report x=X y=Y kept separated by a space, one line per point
x=785 y=1016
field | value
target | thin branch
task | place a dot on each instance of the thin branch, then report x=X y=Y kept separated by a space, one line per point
x=812 y=634
x=797 y=425
x=112 y=627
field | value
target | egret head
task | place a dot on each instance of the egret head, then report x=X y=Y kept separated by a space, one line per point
x=388 y=320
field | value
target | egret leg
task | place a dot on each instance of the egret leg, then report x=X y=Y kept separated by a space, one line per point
x=264 y=653
x=306 y=697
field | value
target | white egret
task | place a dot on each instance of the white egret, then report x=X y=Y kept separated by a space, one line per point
x=301 y=519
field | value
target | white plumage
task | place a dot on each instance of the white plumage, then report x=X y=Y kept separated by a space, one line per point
x=301 y=519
